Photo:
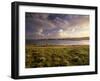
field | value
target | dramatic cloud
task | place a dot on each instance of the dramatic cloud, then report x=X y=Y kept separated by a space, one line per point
x=46 y=26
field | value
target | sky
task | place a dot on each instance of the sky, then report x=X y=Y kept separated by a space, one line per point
x=53 y=26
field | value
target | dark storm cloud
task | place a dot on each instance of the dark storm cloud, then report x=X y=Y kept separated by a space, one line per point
x=44 y=25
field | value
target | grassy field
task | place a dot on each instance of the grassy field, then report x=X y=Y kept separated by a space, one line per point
x=56 y=55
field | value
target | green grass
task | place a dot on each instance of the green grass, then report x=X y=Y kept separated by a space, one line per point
x=56 y=55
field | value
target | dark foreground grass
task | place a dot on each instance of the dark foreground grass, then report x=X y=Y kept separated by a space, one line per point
x=53 y=56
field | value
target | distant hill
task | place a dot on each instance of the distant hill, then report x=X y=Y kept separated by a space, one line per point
x=79 y=38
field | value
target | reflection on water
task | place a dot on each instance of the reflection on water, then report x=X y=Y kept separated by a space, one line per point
x=58 y=42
